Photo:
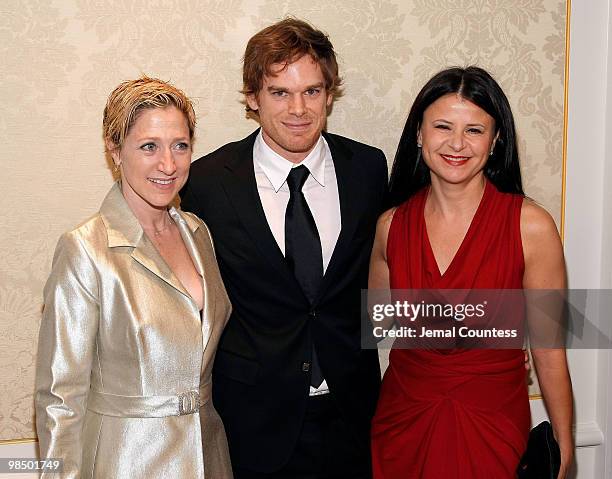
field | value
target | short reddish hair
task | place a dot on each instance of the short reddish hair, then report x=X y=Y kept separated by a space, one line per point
x=285 y=42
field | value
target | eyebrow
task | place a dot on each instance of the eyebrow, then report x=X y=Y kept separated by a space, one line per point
x=282 y=88
x=157 y=138
x=469 y=124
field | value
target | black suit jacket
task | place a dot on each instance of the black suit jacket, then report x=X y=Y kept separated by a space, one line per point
x=261 y=375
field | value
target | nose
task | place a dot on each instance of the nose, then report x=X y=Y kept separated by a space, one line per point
x=167 y=165
x=297 y=105
x=457 y=140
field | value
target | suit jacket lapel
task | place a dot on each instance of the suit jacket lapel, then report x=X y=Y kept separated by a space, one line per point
x=188 y=228
x=191 y=237
x=146 y=254
x=123 y=229
x=241 y=188
x=349 y=187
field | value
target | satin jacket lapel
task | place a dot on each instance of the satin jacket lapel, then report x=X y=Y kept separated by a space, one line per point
x=123 y=229
x=189 y=231
x=146 y=254
x=348 y=191
x=241 y=188
x=188 y=228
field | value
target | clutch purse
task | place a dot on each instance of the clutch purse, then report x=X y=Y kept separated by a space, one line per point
x=542 y=459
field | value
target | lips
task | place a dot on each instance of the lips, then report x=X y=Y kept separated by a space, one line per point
x=297 y=126
x=162 y=181
x=455 y=160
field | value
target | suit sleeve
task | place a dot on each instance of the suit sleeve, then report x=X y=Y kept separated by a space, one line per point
x=381 y=184
x=382 y=176
x=66 y=345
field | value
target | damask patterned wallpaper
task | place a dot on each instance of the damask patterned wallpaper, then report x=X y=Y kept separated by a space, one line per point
x=61 y=58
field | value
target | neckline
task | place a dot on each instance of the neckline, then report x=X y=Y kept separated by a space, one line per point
x=276 y=168
x=468 y=234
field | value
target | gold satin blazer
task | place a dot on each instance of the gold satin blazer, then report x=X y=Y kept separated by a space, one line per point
x=123 y=374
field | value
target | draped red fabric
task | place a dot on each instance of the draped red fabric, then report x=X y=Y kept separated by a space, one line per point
x=454 y=414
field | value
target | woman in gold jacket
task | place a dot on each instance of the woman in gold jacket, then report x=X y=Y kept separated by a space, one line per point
x=134 y=308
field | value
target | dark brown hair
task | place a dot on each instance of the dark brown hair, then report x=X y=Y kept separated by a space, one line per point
x=285 y=42
x=410 y=173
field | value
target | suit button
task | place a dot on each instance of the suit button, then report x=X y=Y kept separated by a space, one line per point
x=305 y=367
x=312 y=314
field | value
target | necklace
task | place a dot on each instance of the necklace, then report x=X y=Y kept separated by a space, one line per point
x=158 y=232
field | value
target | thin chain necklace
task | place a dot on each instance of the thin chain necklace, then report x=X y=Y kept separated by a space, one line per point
x=157 y=232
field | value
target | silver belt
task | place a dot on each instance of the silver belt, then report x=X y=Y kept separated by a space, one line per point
x=188 y=402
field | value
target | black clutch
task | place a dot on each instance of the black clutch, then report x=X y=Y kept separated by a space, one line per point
x=542 y=459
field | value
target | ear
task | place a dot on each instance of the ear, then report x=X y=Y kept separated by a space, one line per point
x=114 y=152
x=419 y=137
x=330 y=99
x=251 y=100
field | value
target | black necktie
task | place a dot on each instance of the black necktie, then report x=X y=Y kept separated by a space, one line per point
x=303 y=248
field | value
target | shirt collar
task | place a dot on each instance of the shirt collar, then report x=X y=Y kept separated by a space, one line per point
x=276 y=168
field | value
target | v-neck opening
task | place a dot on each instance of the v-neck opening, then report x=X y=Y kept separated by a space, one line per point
x=464 y=240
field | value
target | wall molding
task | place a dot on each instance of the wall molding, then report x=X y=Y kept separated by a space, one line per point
x=588 y=434
x=26 y=440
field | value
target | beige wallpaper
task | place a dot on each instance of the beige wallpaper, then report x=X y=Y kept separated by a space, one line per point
x=60 y=60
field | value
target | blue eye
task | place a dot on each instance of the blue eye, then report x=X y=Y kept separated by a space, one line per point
x=279 y=93
x=312 y=91
x=149 y=147
x=182 y=146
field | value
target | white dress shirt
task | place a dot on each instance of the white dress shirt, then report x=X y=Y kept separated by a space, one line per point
x=320 y=191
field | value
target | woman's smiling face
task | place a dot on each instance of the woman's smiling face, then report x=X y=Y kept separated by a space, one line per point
x=457 y=137
x=155 y=158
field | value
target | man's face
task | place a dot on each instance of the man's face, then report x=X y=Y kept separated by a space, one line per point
x=292 y=106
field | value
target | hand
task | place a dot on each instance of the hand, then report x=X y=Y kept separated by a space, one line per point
x=563 y=470
x=566 y=462
x=527 y=363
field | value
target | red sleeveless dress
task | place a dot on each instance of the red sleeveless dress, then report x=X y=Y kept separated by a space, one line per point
x=454 y=414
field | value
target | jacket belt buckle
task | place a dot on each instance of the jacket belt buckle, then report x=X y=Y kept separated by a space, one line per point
x=189 y=402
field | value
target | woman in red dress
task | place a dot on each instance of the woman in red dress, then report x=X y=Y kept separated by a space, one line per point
x=461 y=221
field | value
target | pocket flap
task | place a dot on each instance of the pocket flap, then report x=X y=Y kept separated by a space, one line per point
x=236 y=367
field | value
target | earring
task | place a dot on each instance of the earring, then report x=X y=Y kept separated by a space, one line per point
x=116 y=168
x=418 y=160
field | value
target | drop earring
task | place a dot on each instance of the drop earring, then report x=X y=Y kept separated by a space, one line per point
x=418 y=158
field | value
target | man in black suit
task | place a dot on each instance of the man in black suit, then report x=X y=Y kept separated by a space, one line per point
x=292 y=210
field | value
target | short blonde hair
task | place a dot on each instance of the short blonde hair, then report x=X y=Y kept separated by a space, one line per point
x=132 y=97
